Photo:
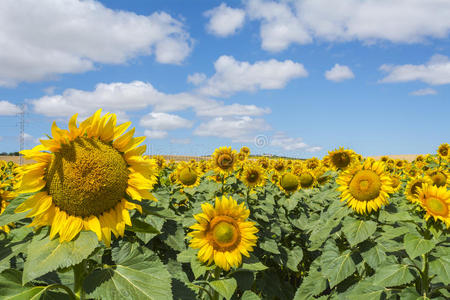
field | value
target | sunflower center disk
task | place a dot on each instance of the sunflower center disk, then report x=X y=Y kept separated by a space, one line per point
x=225 y=161
x=439 y=179
x=437 y=207
x=289 y=182
x=188 y=176
x=87 y=177
x=253 y=176
x=224 y=233
x=341 y=160
x=365 y=185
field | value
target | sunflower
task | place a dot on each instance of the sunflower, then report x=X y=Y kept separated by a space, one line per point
x=253 y=175
x=365 y=186
x=241 y=158
x=245 y=150
x=436 y=202
x=264 y=163
x=399 y=163
x=160 y=162
x=5 y=198
x=440 y=177
x=320 y=176
x=340 y=159
x=312 y=163
x=222 y=233
x=224 y=160
x=84 y=176
x=396 y=183
x=307 y=179
x=279 y=165
x=288 y=182
x=384 y=158
x=217 y=177
x=443 y=151
x=413 y=186
x=187 y=174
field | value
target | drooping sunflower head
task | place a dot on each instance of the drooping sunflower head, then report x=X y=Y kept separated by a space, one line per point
x=187 y=174
x=365 y=187
x=440 y=177
x=264 y=163
x=341 y=158
x=384 y=158
x=288 y=182
x=253 y=175
x=223 y=234
x=307 y=179
x=83 y=177
x=436 y=202
x=312 y=163
x=224 y=160
x=320 y=176
x=444 y=151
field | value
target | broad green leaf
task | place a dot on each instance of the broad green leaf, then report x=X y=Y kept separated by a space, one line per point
x=367 y=291
x=312 y=285
x=185 y=256
x=225 y=287
x=9 y=216
x=138 y=275
x=18 y=240
x=392 y=275
x=294 y=258
x=141 y=226
x=252 y=263
x=174 y=236
x=339 y=268
x=357 y=231
x=441 y=267
x=416 y=245
x=199 y=268
x=249 y=295
x=374 y=257
x=45 y=255
x=11 y=287
x=270 y=245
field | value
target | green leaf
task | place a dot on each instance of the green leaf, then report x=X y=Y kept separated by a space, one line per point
x=295 y=256
x=225 y=287
x=45 y=255
x=357 y=231
x=11 y=287
x=18 y=240
x=270 y=245
x=249 y=295
x=9 y=216
x=392 y=275
x=440 y=267
x=141 y=226
x=338 y=268
x=199 y=268
x=312 y=285
x=186 y=256
x=136 y=275
x=374 y=257
x=367 y=291
x=252 y=263
x=416 y=245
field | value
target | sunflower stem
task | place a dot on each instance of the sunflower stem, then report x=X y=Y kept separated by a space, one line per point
x=424 y=273
x=79 y=272
x=216 y=276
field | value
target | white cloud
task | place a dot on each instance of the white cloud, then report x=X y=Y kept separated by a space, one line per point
x=8 y=109
x=70 y=36
x=339 y=73
x=196 y=78
x=224 y=20
x=220 y=110
x=281 y=140
x=302 y=21
x=238 y=129
x=163 y=121
x=424 y=92
x=233 y=76
x=435 y=72
x=314 y=149
x=155 y=134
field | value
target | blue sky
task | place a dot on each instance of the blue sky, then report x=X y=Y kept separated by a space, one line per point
x=296 y=78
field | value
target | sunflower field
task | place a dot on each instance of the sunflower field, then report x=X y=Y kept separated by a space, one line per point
x=95 y=218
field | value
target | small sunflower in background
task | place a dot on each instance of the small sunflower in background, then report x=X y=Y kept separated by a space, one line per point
x=5 y=198
x=288 y=182
x=264 y=163
x=444 y=151
x=440 y=176
x=396 y=183
x=436 y=202
x=83 y=176
x=340 y=159
x=160 y=162
x=245 y=150
x=400 y=164
x=413 y=186
x=223 y=234
x=217 y=177
x=320 y=176
x=279 y=165
x=312 y=163
x=187 y=174
x=253 y=175
x=384 y=158
x=224 y=160
x=241 y=158
x=306 y=178
x=365 y=187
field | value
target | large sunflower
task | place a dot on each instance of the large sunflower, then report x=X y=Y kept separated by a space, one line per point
x=440 y=176
x=224 y=160
x=413 y=186
x=83 y=176
x=222 y=233
x=436 y=202
x=365 y=186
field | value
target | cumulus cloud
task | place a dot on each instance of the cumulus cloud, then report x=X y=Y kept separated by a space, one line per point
x=238 y=129
x=163 y=121
x=8 y=108
x=283 y=23
x=155 y=134
x=232 y=110
x=339 y=73
x=70 y=36
x=224 y=20
x=313 y=149
x=435 y=72
x=196 y=78
x=234 y=76
x=424 y=92
x=287 y=143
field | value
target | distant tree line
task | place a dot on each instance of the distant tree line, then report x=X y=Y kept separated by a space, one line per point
x=9 y=153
